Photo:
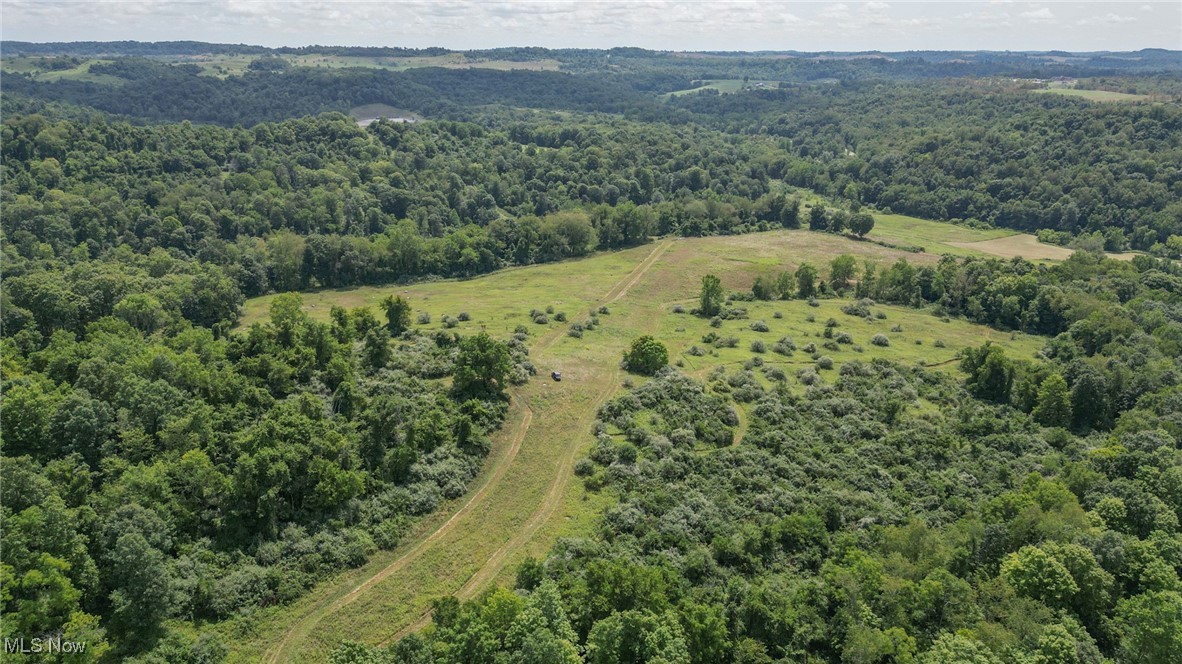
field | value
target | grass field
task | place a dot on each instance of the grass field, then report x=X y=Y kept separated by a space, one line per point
x=525 y=497
x=369 y=112
x=934 y=236
x=1093 y=95
x=40 y=72
x=726 y=85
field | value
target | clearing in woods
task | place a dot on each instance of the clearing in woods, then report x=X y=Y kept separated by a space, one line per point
x=524 y=498
x=1094 y=95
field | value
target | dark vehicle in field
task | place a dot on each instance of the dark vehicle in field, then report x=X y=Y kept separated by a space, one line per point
x=556 y=375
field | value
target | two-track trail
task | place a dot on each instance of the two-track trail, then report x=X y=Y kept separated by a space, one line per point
x=519 y=491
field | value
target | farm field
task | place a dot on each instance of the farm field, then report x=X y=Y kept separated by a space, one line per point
x=727 y=85
x=1094 y=95
x=525 y=497
x=370 y=112
x=934 y=236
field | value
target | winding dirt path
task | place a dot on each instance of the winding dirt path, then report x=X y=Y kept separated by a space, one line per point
x=286 y=649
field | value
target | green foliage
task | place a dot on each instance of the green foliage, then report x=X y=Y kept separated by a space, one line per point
x=646 y=355
x=711 y=296
x=1054 y=403
x=806 y=281
x=481 y=367
x=397 y=315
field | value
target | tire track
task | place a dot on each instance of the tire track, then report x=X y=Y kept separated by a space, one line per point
x=553 y=496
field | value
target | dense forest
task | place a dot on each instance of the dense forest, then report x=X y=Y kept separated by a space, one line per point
x=970 y=150
x=164 y=469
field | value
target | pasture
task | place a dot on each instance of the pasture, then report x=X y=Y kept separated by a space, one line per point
x=725 y=86
x=1094 y=95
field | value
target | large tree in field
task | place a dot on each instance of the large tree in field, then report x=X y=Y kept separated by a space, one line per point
x=806 y=280
x=482 y=366
x=711 y=296
x=818 y=218
x=646 y=356
x=842 y=270
x=861 y=223
x=397 y=315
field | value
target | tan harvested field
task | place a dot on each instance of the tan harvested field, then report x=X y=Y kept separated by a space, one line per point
x=1024 y=245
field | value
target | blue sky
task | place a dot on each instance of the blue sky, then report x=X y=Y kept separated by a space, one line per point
x=658 y=24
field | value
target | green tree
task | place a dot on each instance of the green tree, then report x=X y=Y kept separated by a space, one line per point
x=1053 y=408
x=142 y=594
x=397 y=315
x=806 y=281
x=376 y=348
x=1150 y=627
x=482 y=366
x=1089 y=400
x=818 y=218
x=1036 y=574
x=646 y=356
x=711 y=296
x=991 y=373
x=861 y=223
x=842 y=270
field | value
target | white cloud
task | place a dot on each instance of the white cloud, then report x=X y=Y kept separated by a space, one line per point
x=1107 y=19
x=1043 y=15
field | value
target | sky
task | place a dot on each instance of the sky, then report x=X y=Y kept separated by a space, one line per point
x=734 y=25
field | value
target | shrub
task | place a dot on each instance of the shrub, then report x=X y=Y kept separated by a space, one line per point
x=844 y=338
x=584 y=467
x=541 y=319
x=716 y=322
x=550 y=309
x=759 y=326
x=919 y=342
x=857 y=348
x=464 y=316
x=575 y=331
x=710 y=337
x=521 y=329
x=758 y=346
x=829 y=345
x=813 y=302
x=784 y=346
x=727 y=342
x=854 y=309
x=449 y=322
x=778 y=315
x=560 y=316
x=695 y=351
x=424 y=318
x=811 y=318
x=939 y=343
x=604 y=310
x=678 y=309
x=807 y=377
x=832 y=322
x=897 y=328
x=775 y=373
x=880 y=340
x=824 y=362
x=880 y=315
x=810 y=348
